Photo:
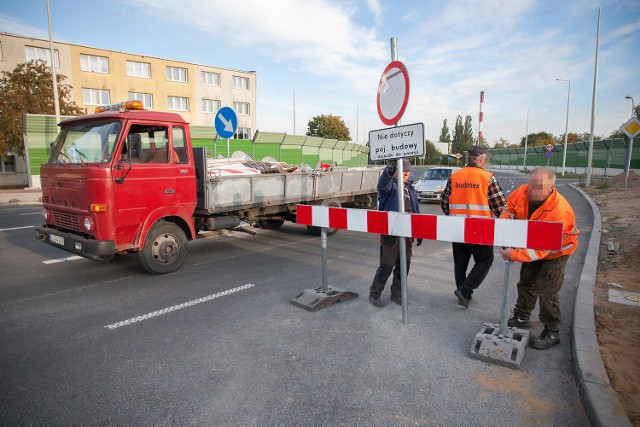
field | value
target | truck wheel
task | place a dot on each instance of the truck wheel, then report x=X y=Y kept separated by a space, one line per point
x=316 y=231
x=165 y=248
x=271 y=224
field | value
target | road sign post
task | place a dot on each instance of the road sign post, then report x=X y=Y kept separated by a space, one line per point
x=631 y=128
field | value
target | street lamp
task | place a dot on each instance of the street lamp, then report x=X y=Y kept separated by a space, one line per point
x=633 y=106
x=566 y=126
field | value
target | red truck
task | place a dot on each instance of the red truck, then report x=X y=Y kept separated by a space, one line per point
x=127 y=180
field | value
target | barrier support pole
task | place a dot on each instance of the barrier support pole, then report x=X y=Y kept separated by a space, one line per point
x=505 y=295
x=323 y=244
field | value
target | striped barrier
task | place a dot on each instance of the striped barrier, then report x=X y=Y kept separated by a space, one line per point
x=542 y=235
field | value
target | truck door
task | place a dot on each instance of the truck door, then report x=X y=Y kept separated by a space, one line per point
x=151 y=182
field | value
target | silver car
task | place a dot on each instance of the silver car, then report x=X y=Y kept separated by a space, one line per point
x=431 y=184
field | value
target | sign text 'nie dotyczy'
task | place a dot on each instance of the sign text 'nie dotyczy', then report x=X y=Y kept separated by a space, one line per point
x=397 y=142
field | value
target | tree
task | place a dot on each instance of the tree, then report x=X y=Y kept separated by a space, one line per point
x=462 y=135
x=537 y=139
x=444 y=133
x=431 y=153
x=328 y=126
x=501 y=143
x=457 y=144
x=29 y=89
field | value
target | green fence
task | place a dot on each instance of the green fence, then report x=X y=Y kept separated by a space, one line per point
x=608 y=155
x=40 y=130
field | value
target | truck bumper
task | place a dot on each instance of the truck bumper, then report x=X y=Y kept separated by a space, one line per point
x=97 y=250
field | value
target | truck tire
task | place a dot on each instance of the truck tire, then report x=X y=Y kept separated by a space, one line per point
x=316 y=231
x=165 y=248
x=271 y=224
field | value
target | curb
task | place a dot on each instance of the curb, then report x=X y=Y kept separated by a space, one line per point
x=599 y=399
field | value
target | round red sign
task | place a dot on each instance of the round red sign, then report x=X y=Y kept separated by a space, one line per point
x=393 y=93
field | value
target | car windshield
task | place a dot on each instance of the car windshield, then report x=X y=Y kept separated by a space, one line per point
x=437 y=174
x=85 y=143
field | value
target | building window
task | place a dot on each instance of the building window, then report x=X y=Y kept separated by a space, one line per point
x=8 y=164
x=179 y=103
x=210 y=79
x=95 y=97
x=138 y=69
x=33 y=53
x=210 y=106
x=240 y=83
x=241 y=108
x=176 y=74
x=146 y=98
x=94 y=64
x=242 y=133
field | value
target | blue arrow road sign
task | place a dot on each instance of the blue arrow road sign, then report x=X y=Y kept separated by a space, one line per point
x=226 y=122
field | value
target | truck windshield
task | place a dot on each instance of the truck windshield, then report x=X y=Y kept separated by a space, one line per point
x=85 y=143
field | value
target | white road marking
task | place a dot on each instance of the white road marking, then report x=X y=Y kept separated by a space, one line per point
x=17 y=228
x=177 y=307
x=55 y=261
x=31 y=213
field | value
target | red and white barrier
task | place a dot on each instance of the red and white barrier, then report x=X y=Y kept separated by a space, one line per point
x=482 y=231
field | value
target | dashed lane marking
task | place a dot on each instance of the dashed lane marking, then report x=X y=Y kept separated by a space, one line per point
x=55 y=261
x=177 y=307
x=17 y=228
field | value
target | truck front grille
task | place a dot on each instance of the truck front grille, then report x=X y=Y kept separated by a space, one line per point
x=66 y=220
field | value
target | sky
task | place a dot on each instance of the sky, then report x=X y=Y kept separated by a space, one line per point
x=331 y=55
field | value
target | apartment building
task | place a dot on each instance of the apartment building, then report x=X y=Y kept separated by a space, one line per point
x=101 y=76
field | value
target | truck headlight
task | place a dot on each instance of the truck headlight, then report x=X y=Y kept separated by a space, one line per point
x=88 y=223
x=45 y=215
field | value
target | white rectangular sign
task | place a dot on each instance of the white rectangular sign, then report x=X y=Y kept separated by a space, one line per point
x=397 y=142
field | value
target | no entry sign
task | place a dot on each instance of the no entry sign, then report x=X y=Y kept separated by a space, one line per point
x=393 y=93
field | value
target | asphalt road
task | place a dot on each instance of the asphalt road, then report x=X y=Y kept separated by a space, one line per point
x=218 y=343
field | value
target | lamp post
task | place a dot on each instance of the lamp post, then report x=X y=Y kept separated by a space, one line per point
x=633 y=106
x=566 y=126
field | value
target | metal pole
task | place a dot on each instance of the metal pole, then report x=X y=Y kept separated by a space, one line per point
x=593 y=105
x=505 y=294
x=566 y=126
x=628 y=165
x=228 y=155
x=294 y=103
x=526 y=140
x=56 y=102
x=323 y=244
x=633 y=106
x=401 y=240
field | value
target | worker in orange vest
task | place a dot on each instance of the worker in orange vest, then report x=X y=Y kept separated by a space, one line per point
x=472 y=192
x=542 y=272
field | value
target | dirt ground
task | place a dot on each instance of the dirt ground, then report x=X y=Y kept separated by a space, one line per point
x=618 y=325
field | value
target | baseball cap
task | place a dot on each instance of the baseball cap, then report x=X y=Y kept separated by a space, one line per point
x=406 y=165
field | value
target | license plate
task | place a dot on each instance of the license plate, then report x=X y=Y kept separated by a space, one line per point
x=56 y=239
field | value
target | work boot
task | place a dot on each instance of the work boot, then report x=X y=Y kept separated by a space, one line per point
x=462 y=299
x=548 y=338
x=397 y=299
x=376 y=301
x=519 y=319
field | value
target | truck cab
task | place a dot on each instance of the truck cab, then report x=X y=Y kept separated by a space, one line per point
x=118 y=181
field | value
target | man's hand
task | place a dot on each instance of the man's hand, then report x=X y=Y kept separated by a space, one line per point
x=505 y=253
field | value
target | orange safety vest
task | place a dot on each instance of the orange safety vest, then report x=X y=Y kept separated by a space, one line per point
x=555 y=208
x=469 y=190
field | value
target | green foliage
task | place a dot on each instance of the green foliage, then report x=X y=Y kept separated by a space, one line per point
x=29 y=89
x=431 y=153
x=328 y=126
x=462 y=135
x=538 y=139
x=445 y=136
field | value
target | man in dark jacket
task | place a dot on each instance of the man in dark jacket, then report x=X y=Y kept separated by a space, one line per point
x=389 y=245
